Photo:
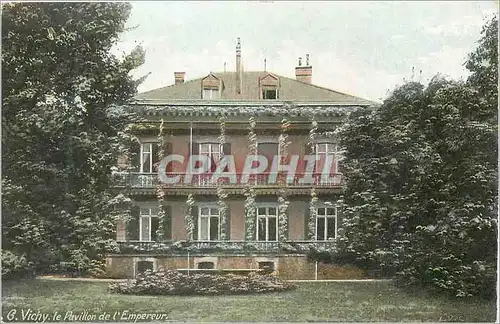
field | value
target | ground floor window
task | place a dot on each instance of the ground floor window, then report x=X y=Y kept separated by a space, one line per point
x=326 y=223
x=208 y=223
x=267 y=223
x=148 y=224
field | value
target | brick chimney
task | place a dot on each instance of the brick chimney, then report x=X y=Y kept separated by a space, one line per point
x=304 y=73
x=179 y=77
x=239 y=68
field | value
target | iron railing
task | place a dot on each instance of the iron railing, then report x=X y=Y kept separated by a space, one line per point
x=150 y=180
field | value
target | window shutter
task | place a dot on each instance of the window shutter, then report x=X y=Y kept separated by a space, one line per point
x=287 y=231
x=306 y=223
x=308 y=150
x=167 y=150
x=135 y=156
x=133 y=224
x=167 y=223
x=226 y=148
x=196 y=148
x=340 y=218
x=194 y=214
x=340 y=165
x=228 y=223
x=156 y=149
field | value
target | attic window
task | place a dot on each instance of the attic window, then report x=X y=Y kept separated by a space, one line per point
x=211 y=87
x=269 y=85
x=268 y=94
x=210 y=93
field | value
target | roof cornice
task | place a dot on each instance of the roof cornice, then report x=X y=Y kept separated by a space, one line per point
x=247 y=103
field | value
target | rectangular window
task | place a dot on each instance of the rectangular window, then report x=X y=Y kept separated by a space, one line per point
x=269 y=94
x=210 y=94
x=214 y=151
x=267 y=223
x=326 y=223
x=146 y=157
x=148 y=224
x=328 y=149
x=208 y=224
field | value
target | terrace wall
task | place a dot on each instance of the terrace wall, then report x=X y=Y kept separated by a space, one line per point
x=289 y=267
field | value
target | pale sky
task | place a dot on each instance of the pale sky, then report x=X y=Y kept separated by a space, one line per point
x=361 y=48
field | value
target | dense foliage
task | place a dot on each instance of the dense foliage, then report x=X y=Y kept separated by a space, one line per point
x=169 y=282
x=62 y=118
x=421 y=176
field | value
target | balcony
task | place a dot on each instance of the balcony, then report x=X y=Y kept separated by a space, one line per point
x=151 y=180
x=229 y=247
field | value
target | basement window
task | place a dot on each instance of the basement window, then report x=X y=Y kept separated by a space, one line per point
x=206 y=265
x=143 y=266
x=266 y=265
x=269 y=94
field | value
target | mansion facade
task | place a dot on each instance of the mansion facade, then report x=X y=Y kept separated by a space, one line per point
x=270 y=220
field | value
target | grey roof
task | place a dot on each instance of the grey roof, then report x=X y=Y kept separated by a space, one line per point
x=289 y=90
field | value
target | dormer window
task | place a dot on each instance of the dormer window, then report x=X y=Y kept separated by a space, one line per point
x=269 y=87
x=211 y=87
x=269 y=94
x=210 y=94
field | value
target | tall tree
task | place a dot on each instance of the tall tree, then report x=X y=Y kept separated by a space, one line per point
x=62 y=116
x=422 y=181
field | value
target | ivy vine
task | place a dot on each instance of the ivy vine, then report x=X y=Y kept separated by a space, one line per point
x=250 y=206
x=237 y=110
x=311 y=224
x=221 y=194
x=160 y=193
x=189 y=217
x=250 y=214
x=223 y=213
x=283 y=202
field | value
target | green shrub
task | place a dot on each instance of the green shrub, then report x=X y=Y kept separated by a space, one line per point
x=169 y=282
x=476 y=279
x=14 y=266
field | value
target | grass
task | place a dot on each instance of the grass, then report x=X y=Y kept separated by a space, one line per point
x=326 y=301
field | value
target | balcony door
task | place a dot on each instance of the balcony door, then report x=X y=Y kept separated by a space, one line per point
x=214 y=152
x=148 y=158
x=330 y=150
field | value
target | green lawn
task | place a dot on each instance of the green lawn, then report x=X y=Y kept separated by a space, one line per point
x=331 y=301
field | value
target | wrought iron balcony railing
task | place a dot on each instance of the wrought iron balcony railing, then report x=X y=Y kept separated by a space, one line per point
x=231 y=247
x=150 y=180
